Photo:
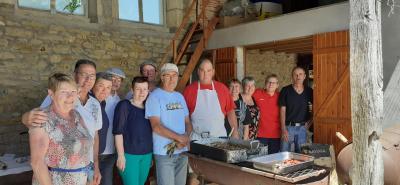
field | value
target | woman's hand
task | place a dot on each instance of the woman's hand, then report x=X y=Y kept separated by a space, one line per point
x=121 y=162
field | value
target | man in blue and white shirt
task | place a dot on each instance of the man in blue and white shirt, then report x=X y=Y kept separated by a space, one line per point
x=169 y=117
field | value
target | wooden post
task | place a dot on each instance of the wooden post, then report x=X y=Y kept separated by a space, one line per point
x=366 y=91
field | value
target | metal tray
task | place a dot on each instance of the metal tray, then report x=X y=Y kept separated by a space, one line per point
x=271 y=162
x=205 y=148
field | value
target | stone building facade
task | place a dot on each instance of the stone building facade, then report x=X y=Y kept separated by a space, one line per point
x=260 y=64
x=35 y=44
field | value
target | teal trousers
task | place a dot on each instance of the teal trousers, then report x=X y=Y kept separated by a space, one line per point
x=136 y=169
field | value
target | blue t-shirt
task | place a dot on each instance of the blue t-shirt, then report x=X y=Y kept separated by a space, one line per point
x=171 y=108
x=136 y=130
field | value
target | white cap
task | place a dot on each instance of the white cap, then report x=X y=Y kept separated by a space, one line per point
x=167 y=67
x=116 y=71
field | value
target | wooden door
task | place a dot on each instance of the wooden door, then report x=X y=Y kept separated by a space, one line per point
x=225 y=64
x=332 y=111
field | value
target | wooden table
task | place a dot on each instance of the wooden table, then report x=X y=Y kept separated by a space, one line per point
x=231 y=174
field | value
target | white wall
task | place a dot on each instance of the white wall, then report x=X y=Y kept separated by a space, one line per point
x=240 y=63
x=322 y=19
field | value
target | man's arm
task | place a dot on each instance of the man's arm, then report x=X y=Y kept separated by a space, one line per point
x=285 y=135
x=34 y=118
x=233 y=123
x=310 y=111
x=188 y=132
x=165 y=132
x=188 y=126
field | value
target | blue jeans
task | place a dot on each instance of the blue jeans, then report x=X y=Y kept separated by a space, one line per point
x=171 y=170
x=106 y=165
x=297 y=137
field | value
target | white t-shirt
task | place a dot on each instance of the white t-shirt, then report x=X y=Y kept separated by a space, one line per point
x=90 y=112
x=111 y=103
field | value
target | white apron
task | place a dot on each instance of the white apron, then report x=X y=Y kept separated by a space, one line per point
x=207 y=115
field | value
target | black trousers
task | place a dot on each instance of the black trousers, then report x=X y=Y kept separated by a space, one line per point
x=274 y=144
x=106 y=165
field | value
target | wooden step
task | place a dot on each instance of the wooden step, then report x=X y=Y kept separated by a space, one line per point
x=194 y=41
x=198 y=30
x=195 y=55
x=188 y=52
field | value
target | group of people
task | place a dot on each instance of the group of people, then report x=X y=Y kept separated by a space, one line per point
x=83 y=128
x=279 y=120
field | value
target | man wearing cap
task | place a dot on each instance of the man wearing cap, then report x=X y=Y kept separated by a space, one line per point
x=118 y=77
x=148 y=69
x=209 y=102
x=169 y=117
x=111 y=102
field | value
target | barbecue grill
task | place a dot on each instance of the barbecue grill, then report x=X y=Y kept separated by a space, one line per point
x=228 y=150
x=244 y=173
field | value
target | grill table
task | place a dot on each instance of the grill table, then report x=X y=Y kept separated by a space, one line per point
x=244 y=174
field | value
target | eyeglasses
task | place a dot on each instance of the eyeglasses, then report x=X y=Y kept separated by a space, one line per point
x=87 y=75
x=269 y=82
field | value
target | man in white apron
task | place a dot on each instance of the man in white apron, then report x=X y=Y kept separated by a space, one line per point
x=209 y=102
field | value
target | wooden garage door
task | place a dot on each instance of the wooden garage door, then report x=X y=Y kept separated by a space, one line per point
x=225 y=64
x=332 y=111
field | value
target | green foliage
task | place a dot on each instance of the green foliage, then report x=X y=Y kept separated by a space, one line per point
x=73 y=5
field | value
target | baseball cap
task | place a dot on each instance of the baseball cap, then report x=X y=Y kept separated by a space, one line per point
x=167 y=67
x=116 y=71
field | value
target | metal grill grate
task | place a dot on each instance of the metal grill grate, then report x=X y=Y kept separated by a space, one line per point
x=300 y=175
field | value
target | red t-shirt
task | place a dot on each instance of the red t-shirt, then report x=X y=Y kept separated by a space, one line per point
x=224 y=97
x=269 y=124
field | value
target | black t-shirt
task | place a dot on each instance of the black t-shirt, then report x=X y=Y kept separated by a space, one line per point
x=296 y=104
x=130 y=121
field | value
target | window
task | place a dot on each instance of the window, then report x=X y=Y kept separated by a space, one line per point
x=146 y=11
x=36 y=4
x=63 y=6
x=129 y=10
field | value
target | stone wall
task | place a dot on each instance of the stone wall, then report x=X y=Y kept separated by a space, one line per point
x=35 y=44
x=260 y=64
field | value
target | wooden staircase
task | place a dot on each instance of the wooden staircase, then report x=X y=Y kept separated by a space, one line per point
x=193 y=42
